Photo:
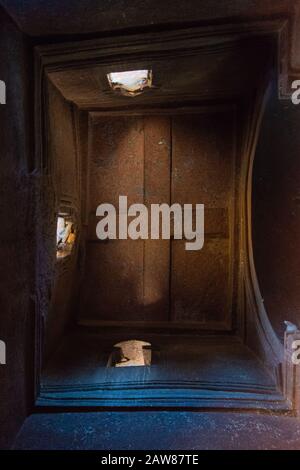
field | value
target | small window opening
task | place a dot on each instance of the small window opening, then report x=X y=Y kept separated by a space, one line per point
x=130 y=83
x=65 y=235
x=130 y=353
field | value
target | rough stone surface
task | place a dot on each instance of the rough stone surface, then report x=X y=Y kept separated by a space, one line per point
x=276 y=212
x=133 y=280
x=16 y=233
x=158 y=430
x=57 y=279
x=49 y=17
x=276 y=245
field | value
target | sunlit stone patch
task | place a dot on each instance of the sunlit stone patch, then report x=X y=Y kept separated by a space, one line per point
x=130 y=353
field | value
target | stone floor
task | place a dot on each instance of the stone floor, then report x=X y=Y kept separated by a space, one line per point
x=82 y=357
x=158 y=430
x=185 y=371
x=209 y=365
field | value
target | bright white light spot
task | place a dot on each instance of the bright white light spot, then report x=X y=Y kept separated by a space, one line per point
x=130 y=83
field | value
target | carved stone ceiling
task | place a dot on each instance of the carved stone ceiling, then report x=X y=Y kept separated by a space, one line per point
x=219 y=75
x=56 y=17
x=38 y=18
x=224 y=73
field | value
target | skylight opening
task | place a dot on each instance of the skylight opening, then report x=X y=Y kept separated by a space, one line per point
x=130 y=83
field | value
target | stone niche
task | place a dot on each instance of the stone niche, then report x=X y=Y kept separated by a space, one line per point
x=188 y=138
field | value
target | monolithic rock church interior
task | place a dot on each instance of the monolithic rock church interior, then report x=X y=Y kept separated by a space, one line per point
x=114 y=109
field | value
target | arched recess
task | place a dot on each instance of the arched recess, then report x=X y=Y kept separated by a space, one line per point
x=276 y=211
x=259 y=333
